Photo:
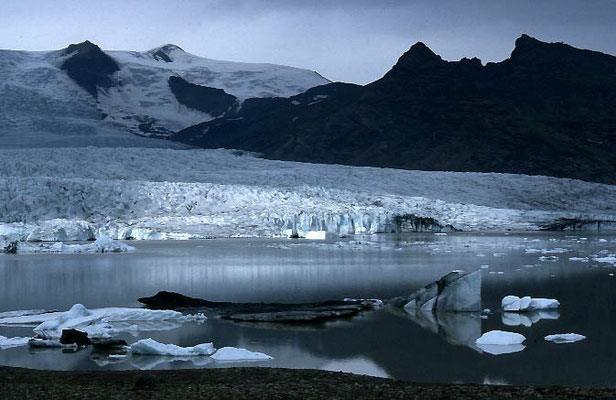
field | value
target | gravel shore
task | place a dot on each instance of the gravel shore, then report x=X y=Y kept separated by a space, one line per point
x=255 y=383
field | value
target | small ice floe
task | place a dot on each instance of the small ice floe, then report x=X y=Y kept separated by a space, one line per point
x=557 y=250
x=233 y=354
x=526 y=303
x=501 y=342
x=320 y=235
x=485 y=266
x=579 y=259
x=565 y=338
x=6 y=343
x=499 y=254
x=104 y=244
x=602 y=240
x=549 y=258
x=440 y=234
x=152 y=347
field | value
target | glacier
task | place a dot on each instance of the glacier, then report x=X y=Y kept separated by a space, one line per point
x=64 y=194
x=41 y=106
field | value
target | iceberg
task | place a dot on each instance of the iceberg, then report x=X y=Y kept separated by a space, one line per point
x=99 y=323
x=233 y=354
x=501 y=342
x=455 y=291
x=565 y=338
x=152 y=347
x=514 y=303
x=501 y=338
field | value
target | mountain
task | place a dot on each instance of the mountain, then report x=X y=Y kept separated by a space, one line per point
x=83 y=95
x=550 y=109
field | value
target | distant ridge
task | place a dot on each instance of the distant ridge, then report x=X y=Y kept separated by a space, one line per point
x=549 y=109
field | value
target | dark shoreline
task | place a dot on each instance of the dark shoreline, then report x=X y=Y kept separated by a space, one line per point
x=256 y=383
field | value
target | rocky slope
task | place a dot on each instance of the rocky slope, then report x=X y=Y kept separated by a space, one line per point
x=550 y=109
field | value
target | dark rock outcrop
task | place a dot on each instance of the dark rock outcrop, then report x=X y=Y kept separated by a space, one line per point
x=201 y=98
x=262 y=312
x=8 y=246
x=73 y=336
x=550 y=109
x=89 y=66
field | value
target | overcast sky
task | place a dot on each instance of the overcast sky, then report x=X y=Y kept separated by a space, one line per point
x=348 y=40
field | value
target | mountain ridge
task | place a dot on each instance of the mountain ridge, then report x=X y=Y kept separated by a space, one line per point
x=549 y=109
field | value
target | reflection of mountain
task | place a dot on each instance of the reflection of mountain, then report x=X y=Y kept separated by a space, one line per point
x=460 y=329
x=528 y=318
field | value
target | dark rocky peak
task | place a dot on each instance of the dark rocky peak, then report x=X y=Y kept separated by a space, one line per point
x=89 y=66
x=164 y=53
x=418 y=56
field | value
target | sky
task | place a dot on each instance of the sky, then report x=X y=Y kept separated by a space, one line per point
x=344 y=40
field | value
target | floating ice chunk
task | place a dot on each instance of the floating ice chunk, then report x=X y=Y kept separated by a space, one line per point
x=455 y=291
x=233 y=354
x=98 y=323
x=501 y=342
x=502 y=338
x=510 y=303
x=319 y=235
x=5 y=342
x=543 y=304
x=152 y=347
x=526 y=303
x=580 y=259
x=549 y=258
x=565 y=338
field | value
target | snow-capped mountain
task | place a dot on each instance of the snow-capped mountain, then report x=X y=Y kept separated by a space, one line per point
x=83 y=95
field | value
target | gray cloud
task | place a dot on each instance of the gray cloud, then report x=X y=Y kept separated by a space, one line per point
x=350 y=40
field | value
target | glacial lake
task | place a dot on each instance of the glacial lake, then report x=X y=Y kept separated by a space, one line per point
x=382 y=342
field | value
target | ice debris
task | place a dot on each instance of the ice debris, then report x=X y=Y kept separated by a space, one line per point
x=565 y=338
x=526 y=303
x=233 y=354
x=152 y=347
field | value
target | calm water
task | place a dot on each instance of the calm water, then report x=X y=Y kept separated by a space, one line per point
x=381 y=343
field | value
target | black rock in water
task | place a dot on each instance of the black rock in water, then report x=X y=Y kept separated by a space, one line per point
x=262 y=312
x=89 y=66
x=73 y=336
x=550 y=109
x=164 y=300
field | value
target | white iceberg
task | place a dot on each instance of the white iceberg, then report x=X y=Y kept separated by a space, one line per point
x=13 y=342
x=99 y=323
x=152 y=347
x=565 y=338
x=501 y=338
x=501 y=342
x=455 y=291
x=233 y=354
x=527 y=303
